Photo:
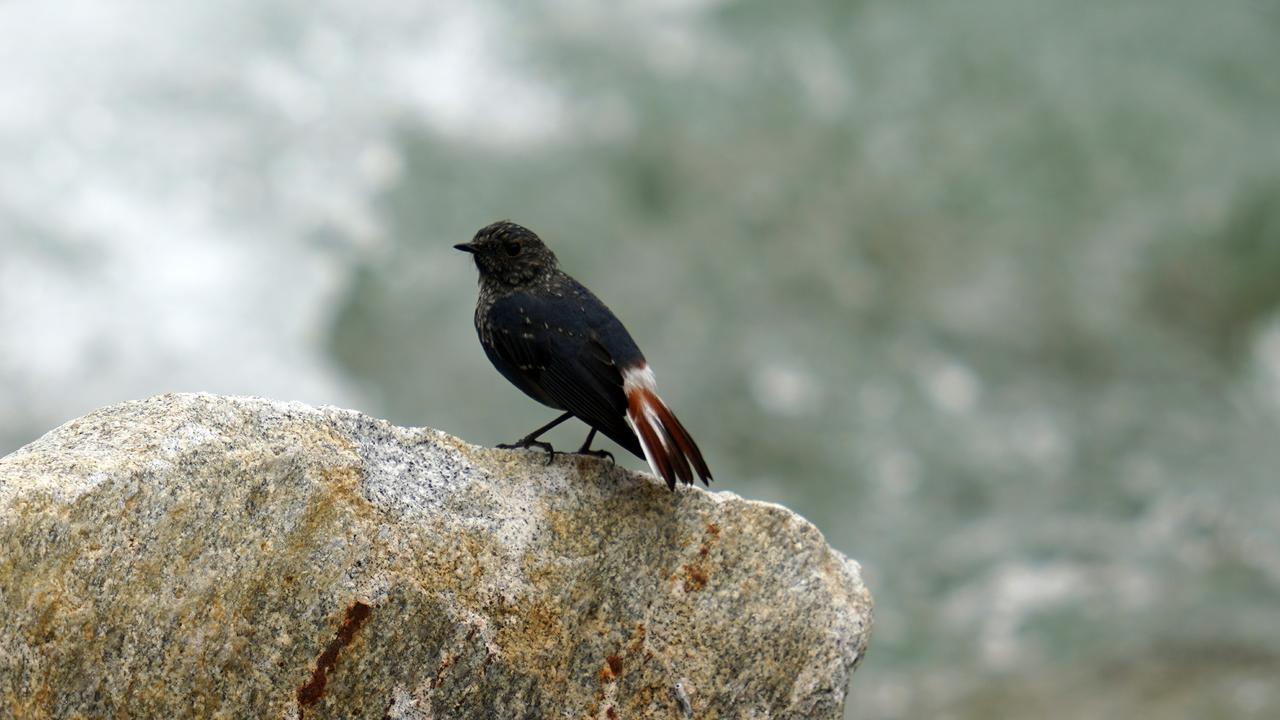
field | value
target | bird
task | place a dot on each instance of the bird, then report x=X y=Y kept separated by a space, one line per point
x=552 y=338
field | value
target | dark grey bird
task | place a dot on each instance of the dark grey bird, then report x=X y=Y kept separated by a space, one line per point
x=554 y=339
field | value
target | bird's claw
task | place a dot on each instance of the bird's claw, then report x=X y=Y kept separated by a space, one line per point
x=526 y=443
x=602 y=454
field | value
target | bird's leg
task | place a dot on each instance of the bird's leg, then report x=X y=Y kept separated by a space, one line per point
x=586 y=448
x=531 y=440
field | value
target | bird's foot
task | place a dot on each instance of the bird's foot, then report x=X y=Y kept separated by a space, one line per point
x=602 y=454
x=528 y=442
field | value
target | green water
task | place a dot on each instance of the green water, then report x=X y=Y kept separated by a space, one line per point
x=979 y=288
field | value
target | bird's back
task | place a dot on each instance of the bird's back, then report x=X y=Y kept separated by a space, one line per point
x=564 y=348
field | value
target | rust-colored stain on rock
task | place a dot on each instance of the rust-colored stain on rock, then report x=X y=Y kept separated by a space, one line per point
x=695 y=578
x=612 y=669
x=696 y=575
x=356 y=616
x=637 y=639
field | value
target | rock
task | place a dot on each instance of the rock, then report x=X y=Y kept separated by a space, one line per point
x=206 y=556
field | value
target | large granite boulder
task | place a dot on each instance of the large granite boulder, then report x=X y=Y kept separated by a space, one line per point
x=206 y=556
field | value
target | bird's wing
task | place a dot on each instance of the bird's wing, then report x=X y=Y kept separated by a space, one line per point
x=549 y=344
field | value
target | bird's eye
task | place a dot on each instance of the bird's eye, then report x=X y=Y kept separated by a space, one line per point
x=511 y=247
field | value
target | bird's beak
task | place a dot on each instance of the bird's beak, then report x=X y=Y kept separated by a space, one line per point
x=465 y=247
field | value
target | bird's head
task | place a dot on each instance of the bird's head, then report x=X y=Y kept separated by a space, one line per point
x=509 y=254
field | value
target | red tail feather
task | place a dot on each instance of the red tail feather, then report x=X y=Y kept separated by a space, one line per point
x=671 y=452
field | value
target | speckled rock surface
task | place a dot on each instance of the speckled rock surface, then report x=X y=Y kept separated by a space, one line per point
x=206 y=556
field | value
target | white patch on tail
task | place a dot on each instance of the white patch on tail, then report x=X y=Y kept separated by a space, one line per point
x=634 y=380
x=639 y=377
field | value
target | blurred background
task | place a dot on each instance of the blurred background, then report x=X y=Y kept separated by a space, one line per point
x=990 y=291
